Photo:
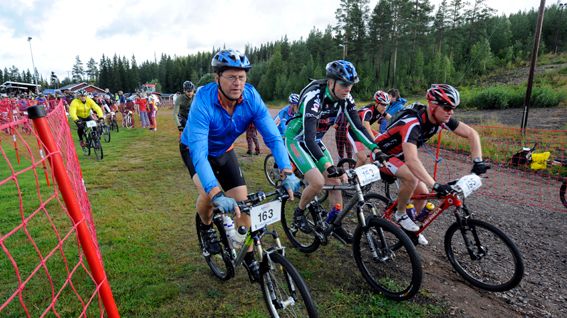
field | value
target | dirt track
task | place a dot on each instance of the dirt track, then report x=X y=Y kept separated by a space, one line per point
x=502 y=202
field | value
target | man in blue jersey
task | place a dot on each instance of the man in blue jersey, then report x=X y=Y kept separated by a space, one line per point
x=287 y=113
x=220 y=112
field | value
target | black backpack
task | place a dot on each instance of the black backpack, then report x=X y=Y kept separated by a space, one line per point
x=415 y=109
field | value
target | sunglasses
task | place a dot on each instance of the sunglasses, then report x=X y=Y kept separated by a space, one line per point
x=343 y=83
x=447 y=108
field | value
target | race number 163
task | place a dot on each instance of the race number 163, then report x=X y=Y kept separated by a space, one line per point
x=265 y=214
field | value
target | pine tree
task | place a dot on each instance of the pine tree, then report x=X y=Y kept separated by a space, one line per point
x=92 y=71
x=77 y=72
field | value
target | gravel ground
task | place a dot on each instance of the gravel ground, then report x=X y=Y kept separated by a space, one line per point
x=504 y=202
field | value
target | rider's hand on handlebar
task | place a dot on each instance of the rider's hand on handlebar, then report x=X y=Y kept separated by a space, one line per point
x=334 y=172
x=291 y=183
x=479 y=167
x=443 y=189
x=225 y=204
x=379 y=156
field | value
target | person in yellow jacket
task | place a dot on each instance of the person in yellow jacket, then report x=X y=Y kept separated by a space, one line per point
x=80 y=112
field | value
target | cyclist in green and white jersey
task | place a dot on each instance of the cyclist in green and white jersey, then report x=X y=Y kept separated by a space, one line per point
x=320 y=103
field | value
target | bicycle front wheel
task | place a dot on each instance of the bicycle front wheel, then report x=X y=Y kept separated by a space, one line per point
x=484 y=256
x=97 y=147
x=220 y=264
x=394 y=272
x=284 y=290
x=106 y=133
x=271 y=170
x=305 y=239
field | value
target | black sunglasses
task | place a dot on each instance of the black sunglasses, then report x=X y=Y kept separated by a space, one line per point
x=447 y=108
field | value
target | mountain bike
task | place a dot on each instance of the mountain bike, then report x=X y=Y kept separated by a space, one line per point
x=390 y=185
x=113 y=123
x=384 y=254
x=284 y=290
x=480 y=252
x=92 y=140
x=527 y=156
x=127 y=119
x=104 y=131
x=272 y=173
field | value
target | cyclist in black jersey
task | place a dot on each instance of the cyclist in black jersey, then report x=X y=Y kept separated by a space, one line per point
x=411 y=131
x=320 y=103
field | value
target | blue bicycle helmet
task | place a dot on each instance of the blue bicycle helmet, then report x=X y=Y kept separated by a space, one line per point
x=230 y=58
x=342 y=70
x=293 y=99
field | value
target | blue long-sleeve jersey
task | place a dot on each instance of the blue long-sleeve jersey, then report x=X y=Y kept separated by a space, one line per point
x=210 y=130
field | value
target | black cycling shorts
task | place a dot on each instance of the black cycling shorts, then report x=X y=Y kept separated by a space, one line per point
x=226 y=168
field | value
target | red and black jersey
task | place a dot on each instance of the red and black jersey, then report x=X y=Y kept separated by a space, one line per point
x=370 y=114
x=410 y=128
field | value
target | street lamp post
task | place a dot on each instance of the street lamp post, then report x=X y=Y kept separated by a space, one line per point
x=33 y=63
x=344 y=46
x=561 y=7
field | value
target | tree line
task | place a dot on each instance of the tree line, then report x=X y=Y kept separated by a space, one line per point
x=407 y=44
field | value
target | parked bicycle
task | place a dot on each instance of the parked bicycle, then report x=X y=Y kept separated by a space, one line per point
x=384 y=254
x=92 y=140
x=538 y=161
x=284 y=290
x=480 y=252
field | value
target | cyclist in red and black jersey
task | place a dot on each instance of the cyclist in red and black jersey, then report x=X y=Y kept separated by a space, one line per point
x=370 y=114
x=409 y=132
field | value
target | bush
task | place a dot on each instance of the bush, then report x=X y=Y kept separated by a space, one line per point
x=502 y=97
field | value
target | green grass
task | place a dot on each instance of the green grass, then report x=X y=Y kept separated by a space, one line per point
x=143 y=207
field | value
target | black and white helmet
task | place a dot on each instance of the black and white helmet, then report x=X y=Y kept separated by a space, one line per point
x=443 y=95
x=188 y=86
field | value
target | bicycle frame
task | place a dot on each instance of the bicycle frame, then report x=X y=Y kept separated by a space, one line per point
x=448 y=201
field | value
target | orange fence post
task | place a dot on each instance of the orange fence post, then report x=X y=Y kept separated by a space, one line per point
x=37 y=115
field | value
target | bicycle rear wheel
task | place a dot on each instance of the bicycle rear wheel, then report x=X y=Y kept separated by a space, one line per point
x=484 y=256
x=220 y=264
x=396 y=273
x=304 y=240
x=271 y=170
x=97 y=147
x=284 y=290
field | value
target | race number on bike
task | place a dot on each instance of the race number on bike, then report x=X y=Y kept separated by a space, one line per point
x=265 y=214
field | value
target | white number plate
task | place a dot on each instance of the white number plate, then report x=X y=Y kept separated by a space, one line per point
x=265 y=214
x=469 y=184
x=367 y=174
x=91 y=123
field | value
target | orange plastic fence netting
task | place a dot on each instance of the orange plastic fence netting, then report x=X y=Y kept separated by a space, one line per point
x=43 y=268
x=507 y=182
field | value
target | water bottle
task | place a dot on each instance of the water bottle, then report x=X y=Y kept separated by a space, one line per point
x=229 y=228
x=333 y=213
x=410 y=211
x=424 y=214
x=239 y=237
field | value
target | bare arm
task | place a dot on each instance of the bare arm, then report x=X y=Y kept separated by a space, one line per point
x=414 y=164
x=468 y=132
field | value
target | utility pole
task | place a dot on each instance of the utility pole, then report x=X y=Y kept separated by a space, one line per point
x=33 y=63
x=532 y=66
x=561 y=7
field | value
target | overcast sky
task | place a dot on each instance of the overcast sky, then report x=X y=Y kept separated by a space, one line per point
x=63 y=29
